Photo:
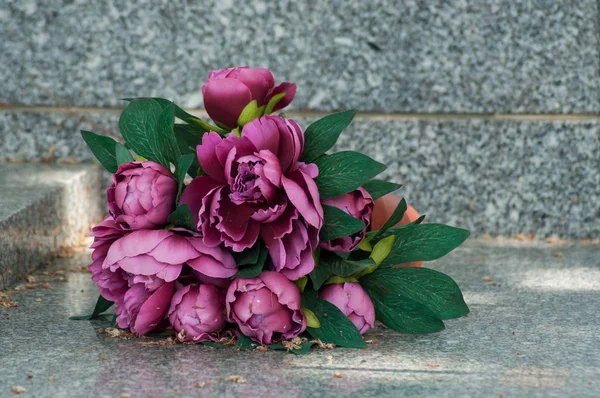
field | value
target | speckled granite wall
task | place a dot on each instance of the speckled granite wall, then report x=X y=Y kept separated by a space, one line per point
x=428 y=59
x=499 y=176
x=532 y=56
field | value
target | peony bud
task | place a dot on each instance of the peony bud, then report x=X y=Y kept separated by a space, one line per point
x=353 y=301
x=266 y=308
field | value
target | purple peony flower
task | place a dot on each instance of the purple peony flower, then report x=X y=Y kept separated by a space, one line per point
x=353 y=301
x=143 y=309
x=255 y=186
x=358 y=204
x=142 y=195
x=162 y=253
x=112 y=284
x=197 y=312
x=266 y=308
x=227 y=92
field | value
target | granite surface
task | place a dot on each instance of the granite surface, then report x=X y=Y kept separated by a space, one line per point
x=532 y=332
x=491 y=176
x=44 y=211
x=523 y=56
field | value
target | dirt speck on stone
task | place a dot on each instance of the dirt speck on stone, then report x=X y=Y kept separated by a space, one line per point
x=432 y=365
x=558 y=254
x=51 y=379
x=125 y=395
x=18 y=389
x=338 y=375
x=236 y=379
x=371 y=341
x=29 y=375
x=202 y=384
x=6 y=301
x=487 y=279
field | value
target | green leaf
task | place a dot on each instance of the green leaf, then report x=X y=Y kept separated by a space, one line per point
x=337 y=223
x=187 y=138
x=272 y=102
x=364 y=245
x=213 y=344
x=122 y=154
x=253 y=270
x=198 y=124
x=382 y=249
x=322 y=135
x=101 y=305
x=336 y=265
x=393 y=220
x=340 y=279
x=335 y=328
x=433 y=289
x=423 y=242
x=248 y=256
x=183 y=165
x=103 y=149
x=343 y=172
x=378 y=188
x=400 y=313
x=319 y=275
x=138 y=124
x=164 y=141
x=311 y=319
x=245 y=344
x=250 y=112
x=301 y=283
x=182 y=217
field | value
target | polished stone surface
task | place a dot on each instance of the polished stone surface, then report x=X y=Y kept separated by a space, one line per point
x=532 y=332
x=493 y=176
x=516 y=56
x=44 y=210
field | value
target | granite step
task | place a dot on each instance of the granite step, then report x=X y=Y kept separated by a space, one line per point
x=44 y=211
x=531 y=333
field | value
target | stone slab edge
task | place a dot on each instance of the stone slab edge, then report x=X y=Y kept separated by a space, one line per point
x=50 y=225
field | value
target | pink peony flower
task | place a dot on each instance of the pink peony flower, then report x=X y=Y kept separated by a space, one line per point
x=266 y=308
x=227 y=92
x=353 y=301
x=142 y=309
x=198 y=311
x=142 y=195
x=358 y=204
x=255 y=186
x=162 y=253
x=112 y=284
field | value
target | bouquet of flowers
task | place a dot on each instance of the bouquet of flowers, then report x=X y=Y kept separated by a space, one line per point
x=250 y=228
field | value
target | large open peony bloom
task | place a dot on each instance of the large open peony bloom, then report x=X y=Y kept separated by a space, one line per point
x=112 y=284
x=161 y=254
x=142 y=195
x=266 y=308
x=255 y=186
x=227 y=92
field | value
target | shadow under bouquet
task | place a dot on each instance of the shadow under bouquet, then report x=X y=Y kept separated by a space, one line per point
x=250 y=230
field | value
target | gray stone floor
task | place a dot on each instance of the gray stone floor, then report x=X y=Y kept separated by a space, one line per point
x=532 y=332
